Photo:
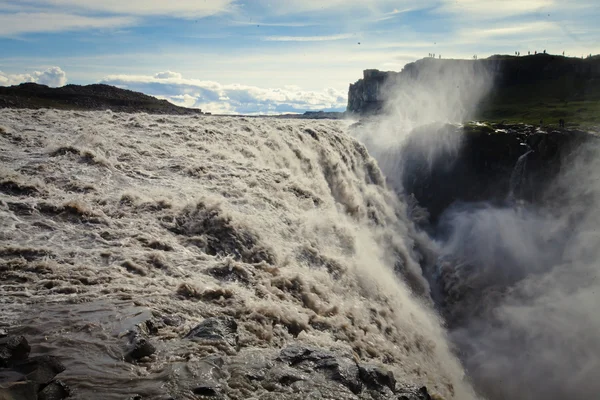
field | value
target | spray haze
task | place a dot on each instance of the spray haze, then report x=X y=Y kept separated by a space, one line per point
x=517 y=283
x=540 y=338
x=418 y=103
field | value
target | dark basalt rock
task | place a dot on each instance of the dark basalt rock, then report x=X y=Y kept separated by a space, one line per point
x=55 y=390
x=376 y=378
x=40 y=370
x=23 y=378
x=480 y=169
x=216 y=329
x=413 y=394
x=20 y=390
x=336 y=368
x=138 y=348
x=206 y=390
x=13 y=348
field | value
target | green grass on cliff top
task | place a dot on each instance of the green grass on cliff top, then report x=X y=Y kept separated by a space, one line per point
x=577 y=102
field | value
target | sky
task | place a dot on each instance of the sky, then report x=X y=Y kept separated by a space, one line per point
x=266 y=56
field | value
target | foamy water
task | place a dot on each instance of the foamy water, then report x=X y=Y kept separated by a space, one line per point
x=286 y=225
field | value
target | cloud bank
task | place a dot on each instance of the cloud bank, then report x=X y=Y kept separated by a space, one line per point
x=230 y=98
x=53 y=76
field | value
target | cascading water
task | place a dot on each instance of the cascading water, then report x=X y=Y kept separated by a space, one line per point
x=517 y=177
x=283 y=229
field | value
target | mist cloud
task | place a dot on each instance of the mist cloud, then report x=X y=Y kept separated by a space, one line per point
x=518 y=284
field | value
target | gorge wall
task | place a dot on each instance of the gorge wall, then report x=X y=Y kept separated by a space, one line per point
x=540 y=75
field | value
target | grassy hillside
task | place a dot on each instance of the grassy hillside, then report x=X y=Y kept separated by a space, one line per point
x=539 y=95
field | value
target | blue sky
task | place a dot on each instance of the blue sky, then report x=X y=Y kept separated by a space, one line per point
x=265 y=56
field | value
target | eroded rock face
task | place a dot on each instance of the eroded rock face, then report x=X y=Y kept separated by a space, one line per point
x=482 y=167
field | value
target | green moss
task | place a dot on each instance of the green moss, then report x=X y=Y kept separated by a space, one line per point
x=478 y=128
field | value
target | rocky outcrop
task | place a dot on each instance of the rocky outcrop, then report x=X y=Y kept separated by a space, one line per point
x=483 y=167
x=573 y=78
x=28 y=378
x=90 y=97
x=365 y=95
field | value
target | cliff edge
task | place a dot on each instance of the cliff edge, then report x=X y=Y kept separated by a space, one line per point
x=523 y=89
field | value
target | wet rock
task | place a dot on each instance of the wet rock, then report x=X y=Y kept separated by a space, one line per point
x=334 y=367
x=296 y=355
x=206 y=390
x=40 y=370
x=216 y=329
x=342 y=370
x=413 y=394
x=203 y=377
x=286 y=376
x=26 y=378
x=21 y=390
x=172 y=320
x=13 y=348
x=138 y=348
x=55 y=390
x=376 y=378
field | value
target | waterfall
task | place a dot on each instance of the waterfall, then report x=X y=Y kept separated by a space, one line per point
x=517 y=176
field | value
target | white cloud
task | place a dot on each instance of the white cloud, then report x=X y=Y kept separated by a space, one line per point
x=511 y=30
x=307 y=38
x=341 y=6
x=489 y=9
x=14 y=79
x=23 y=22
x=178 y=8
x=53 y=76
x=168 y=75
x=232 y=98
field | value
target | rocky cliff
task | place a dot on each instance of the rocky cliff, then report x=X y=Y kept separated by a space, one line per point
x=522 y=79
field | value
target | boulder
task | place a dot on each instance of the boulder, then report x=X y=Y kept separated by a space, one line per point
x=138 y=348
x=13 y=348
x=40 y=370
x=220 y=329
x=335 y=367
x=55 y=390
x=376 y=378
